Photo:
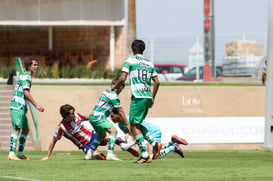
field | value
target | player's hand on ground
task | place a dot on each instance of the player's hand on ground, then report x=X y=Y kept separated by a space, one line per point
x=45 y=158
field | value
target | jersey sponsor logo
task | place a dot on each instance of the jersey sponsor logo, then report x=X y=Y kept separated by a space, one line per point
x=144 y=64
x=146 y=89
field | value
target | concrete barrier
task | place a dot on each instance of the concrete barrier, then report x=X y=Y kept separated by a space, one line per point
x=171 y=102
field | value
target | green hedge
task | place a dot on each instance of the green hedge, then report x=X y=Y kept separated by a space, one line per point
x=4 y=71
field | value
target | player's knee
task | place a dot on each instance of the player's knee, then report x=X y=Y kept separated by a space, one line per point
x=25 y=130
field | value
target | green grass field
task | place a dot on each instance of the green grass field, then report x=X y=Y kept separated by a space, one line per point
x=256 y=165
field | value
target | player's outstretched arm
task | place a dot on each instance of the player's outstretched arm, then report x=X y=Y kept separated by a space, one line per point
x=50 y=149
x=123 y=118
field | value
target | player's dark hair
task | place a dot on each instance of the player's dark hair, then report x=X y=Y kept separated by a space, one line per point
x=65 y=110
x=115 y=111
x=29 y=62
x=115 y=80
x=138 y=46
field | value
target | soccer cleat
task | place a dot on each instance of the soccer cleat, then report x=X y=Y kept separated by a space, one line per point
x=99 y=157
x=133 y=152
x=119 y=141
x=176 y=139
x=88 y=154
x=13 y=157
x=128 y=147
x=112 y=157
x=23 y=157
x=103 y=157
x=156 y=150
x=87 y=157
x=178 y=150
x=143 y=160
x=125 y=146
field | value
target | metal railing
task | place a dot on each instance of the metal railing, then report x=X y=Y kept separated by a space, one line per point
x=31 y=107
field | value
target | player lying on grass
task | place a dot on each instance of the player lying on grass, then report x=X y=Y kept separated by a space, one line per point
x=71 y=127
x=171 y=146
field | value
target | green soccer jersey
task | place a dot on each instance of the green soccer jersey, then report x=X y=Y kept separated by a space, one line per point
x=19 y=99
x=107 y=101
x=140 y=71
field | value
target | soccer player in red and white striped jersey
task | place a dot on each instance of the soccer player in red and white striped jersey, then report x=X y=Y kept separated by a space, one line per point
x=74 y=130
x=71 y=127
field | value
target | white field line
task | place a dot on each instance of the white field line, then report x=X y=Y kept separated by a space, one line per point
x=19 y=178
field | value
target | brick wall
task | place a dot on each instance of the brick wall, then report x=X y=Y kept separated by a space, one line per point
x=23 y=38
x=19 y=40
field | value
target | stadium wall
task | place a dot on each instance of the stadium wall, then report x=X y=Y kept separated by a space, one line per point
x=220 y=117
x=24 y=41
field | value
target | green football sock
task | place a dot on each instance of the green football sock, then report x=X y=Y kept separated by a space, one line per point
x=22 y=141
x=141 y=145
x=166 y=151
x=111 y=141
x=13 y=141
x=149 y=137
x=167 y=145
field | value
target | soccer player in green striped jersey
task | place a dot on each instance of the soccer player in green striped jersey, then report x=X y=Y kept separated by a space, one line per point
x=141 y=72
x=108 y=100
x=18 y=109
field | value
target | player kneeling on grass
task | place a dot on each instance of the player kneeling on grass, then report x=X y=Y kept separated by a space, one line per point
x=71 y=127
x=171 y=146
